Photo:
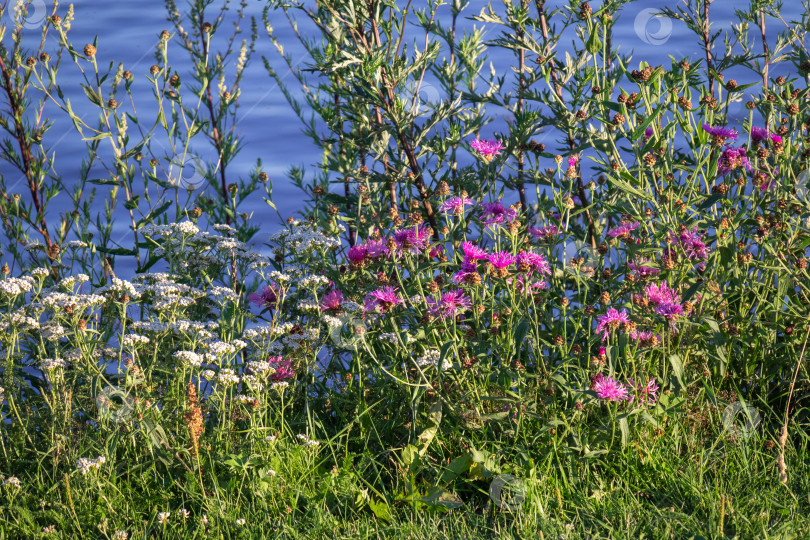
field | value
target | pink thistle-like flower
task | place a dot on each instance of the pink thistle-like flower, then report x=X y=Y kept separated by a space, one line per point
x=522 y=284
x=487 y=149
x=332 y=301
x=720 y=134
x=647 y=393
x=642 y=270
x=661 y=293
x=497 y=214
x=610 y=321
x=502 y=259
x=283 y=368
x=760 y=134
x=357 y=253
x=645 y=338
x=648 y=133
x=412 y=240
x=623 y=231
x=572 y=161
x=544 y=233
x=609 y=388
x=455 y=205
x=385 y=298
x=691 y=242
x=376 y=249
x=266 y=297
x=732 y=159
x=473 y=252
x=532 y=262
x=449 y=304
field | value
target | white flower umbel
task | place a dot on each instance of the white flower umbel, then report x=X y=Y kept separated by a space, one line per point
x=85 y=465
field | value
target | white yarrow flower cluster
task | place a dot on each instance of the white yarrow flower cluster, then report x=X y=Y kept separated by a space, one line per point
x=189 y=358
x=17 y=286
x=134 y=340
x=313 y=282
x=431 y=358
x=307 y=441
x=85 y=465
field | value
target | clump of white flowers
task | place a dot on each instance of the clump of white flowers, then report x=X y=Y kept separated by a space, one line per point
x=85 y=465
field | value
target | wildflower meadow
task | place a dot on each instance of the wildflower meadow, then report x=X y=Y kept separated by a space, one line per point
x=564 y=294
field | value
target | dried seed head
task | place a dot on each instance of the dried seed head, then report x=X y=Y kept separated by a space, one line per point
x=206 y=27
x=154 y=70
x=5 y=270
x=164 y=35
x=174 y=80
x=127 y=75
x=780 y=80
x=30 y=61
x=89 y=50
x=112 y=104
x=731 y=85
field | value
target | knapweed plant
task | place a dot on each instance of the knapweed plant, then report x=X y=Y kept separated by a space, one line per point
x=589 y=319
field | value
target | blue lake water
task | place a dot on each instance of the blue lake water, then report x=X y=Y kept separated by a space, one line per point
x=128 y=32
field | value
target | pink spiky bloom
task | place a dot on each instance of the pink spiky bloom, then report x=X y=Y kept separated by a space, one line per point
x=496 y=213
x=732 y=159
x=332 y=301
x=412 y=240
x=376 y=249
x=719 y=134
x=455 y=205
x=691 y=242
x=266 y=297
x=647 y=393
x=609 y=388
x=642 y=270
x=487 y=149
x=760 y=134
x=385 y=298
x=544 y=233
x=357 y=253
x=572 y=161
x=533 y=262
x=502 y=259
x=610 y=321
x=473 y=252
x=283 y=368
x=449 y=304
x=623 y=230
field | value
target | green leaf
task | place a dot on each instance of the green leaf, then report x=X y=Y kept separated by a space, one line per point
x=593 y=45
x=677 y=368
x=153 y=214
x=92 y=95
x=380 y=509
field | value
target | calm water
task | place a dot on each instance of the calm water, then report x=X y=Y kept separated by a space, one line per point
x=128 y=32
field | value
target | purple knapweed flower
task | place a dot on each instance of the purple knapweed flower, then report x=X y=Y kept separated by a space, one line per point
x=455 y=205
x=643 y=271
x=413 y=240
x=266 y=297
x=610 y=321
x=487 y=149
x=532 y=262
x=760 y=134
x=691 y=242
x=732 y=159
x=623 y=231
x=473 y=252
x=449 y=304
x=497 y=214
x=332 y=301
x=385 y=298
x=283 y=368
x=544 y=233
x=357 y=253
x=719 y=134
x=502 y=259
x=376 y=249
x=646 y=393
x=609 y=388
x=648 y=133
